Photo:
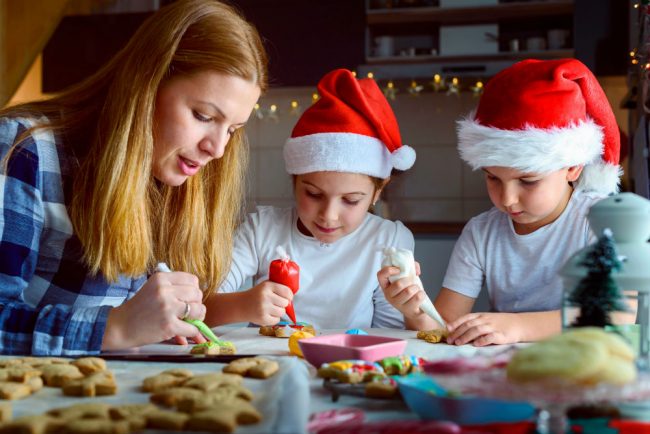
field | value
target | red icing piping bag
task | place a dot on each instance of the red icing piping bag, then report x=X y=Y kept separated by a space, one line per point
x=286 y=272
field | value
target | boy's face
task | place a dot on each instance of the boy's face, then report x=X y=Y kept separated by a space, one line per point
x=333 y=204
x=532 y=200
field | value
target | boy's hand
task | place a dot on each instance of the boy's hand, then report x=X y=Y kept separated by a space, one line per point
x=483 y=328
x=267 y=302
x=405 y=296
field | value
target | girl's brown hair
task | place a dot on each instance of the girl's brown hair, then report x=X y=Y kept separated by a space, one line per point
x=125 y=221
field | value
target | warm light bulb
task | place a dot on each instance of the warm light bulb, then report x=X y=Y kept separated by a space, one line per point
x=314 y=97
x=413 y=84
x=354 y=73
x=370 y=75
x=294 y=104
x=437 y=78
x=479 y=84
x=257 y=106
x=274 y=108
x=633 y=53
x=454 y=81
x=634 y=61
x=390 y=85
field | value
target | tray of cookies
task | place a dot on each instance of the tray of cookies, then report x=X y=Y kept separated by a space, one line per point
x=370 y=379
x=89 y=394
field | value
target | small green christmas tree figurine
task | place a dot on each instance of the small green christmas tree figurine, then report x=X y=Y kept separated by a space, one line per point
x=597 y=294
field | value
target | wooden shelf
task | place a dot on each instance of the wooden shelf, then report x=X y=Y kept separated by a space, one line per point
x=470 y=15
x=520 y=55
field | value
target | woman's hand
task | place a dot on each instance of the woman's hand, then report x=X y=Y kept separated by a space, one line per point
x=406 y=296
x=482 y=329
x=154 y=313
x=266 y=302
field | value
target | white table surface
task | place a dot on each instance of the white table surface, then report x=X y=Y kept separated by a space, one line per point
x=286 y=400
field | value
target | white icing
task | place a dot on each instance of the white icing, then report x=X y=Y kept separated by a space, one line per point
x=404 y=260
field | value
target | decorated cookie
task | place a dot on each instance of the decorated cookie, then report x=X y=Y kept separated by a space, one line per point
x=256 y=367
x=433 y=336
x=284 y=329
x=381 y=387
x=210 y=347
x=350 y=371
x=294 y=347
x=400 y=365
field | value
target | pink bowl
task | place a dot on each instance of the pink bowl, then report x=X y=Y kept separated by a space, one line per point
x=330 y=348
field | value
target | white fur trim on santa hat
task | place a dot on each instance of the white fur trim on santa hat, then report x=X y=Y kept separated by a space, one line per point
x=403 y=158
x=341 y=152
x=529 y=149
x=600 y=177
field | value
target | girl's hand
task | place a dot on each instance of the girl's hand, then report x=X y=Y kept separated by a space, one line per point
x=154 y=313
x=482 y=329
x=267 y=302
x=405 y=296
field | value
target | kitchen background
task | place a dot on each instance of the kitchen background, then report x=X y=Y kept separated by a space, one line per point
x=431 y=57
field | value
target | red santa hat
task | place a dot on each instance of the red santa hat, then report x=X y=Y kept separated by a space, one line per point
x=351 y=128
x=541 y=116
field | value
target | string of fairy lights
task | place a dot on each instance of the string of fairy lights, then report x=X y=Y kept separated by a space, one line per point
x=450 y=86
x=639 y=54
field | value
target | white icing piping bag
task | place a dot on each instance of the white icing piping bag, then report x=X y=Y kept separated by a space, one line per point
x=404 y=260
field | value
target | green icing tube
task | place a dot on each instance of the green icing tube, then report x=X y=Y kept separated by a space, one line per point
x=207 y=332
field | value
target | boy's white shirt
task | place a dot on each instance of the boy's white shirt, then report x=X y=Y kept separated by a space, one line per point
x=520 y=271
x=338 y=281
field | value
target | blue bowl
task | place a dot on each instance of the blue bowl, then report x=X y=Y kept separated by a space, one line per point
x=426 y=398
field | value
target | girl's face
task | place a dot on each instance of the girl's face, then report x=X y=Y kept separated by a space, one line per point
x=531 y=200
x=333 y=204
x=195 y=117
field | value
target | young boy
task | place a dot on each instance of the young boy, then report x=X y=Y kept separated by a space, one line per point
x=341 y=154
x=548 y=143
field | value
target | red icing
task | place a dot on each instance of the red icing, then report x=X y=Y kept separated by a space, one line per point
x=287 y=273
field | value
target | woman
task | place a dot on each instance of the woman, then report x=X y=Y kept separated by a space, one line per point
x=141 y=163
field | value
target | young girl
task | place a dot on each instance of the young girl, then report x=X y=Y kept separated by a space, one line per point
x=139 y=163
x=341 y=154
x=547 y=141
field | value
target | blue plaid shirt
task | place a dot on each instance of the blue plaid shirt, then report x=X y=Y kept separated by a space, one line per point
x=49 y=303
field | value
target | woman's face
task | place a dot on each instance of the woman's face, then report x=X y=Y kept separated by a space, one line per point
x=195 y=117
x=333 y=204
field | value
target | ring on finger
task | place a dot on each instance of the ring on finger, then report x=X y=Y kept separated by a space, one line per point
x=186 y=314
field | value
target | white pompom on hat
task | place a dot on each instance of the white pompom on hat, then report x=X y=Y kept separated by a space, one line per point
x=541 y=116
x=351 y=128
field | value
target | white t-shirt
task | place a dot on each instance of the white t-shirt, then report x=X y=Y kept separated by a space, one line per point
x=519 y=271
x=338 y=281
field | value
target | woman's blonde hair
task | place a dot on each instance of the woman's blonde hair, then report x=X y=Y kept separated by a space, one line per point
x=126 y=221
